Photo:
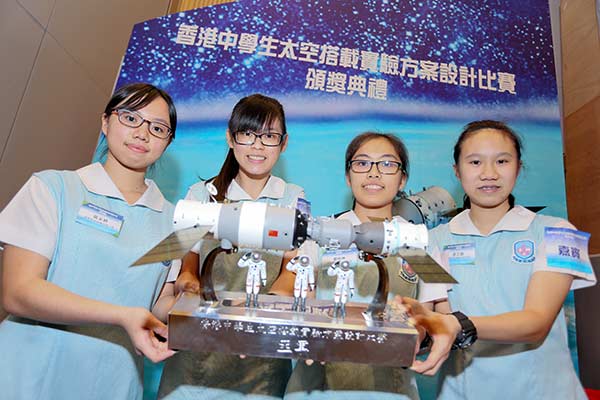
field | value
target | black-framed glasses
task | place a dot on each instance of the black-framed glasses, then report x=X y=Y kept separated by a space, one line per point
x=248 y=138
x=133 y=119
x=385 y=167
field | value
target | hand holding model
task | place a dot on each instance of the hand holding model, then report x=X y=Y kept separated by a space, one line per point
x=187 y=281
x=442 y=330
x=142 y=328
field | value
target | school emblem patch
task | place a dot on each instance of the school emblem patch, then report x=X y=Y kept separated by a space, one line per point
x=407 y=273
x=524 y=251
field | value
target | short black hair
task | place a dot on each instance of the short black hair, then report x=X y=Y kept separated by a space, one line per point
x=390 y=137
x=472 y=127
x=135 y=96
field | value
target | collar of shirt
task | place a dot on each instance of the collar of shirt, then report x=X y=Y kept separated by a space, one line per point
x=352 y=217
x=274 y=189
x=517 y=219
x=96 y=180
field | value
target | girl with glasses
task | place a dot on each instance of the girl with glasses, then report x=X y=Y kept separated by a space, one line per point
x=377 y=168
x=79 y=314
x=515 y=269
x=256 y=137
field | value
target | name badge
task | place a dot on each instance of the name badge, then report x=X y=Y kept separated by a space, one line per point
x=460 y=254
x=100 y=218
x=331 y=256
x=567 y=249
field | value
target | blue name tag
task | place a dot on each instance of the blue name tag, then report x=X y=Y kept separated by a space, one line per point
x=460 y=254
x=567 y=249
x=100 y=218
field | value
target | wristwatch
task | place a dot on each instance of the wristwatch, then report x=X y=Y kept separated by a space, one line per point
x=426 y=344
x=468 y=334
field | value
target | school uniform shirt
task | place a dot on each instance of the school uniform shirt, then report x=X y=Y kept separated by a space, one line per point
x=220 y=375
x=50 y=361
x=493 y=272
x=362 y=381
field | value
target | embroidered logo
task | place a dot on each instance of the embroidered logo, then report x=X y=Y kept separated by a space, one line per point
x=524 y=251
x=407 y=273
x=167 y=263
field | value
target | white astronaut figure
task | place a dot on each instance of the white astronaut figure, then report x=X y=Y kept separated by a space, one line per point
x=257 y=274
x=305 y=279
x=344 y=285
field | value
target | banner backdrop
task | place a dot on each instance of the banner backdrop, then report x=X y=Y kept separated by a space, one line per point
x=420 y=69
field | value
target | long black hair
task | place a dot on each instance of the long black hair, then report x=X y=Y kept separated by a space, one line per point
x=250 y=113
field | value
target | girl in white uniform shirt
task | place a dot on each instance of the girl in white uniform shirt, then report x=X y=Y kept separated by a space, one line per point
x=376 y=169
x=515 y=269
x=78 y=312
x=256 y=137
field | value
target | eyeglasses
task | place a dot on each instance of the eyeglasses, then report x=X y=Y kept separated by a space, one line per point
x=133 y=119
x=385 y=167
x=248 y=138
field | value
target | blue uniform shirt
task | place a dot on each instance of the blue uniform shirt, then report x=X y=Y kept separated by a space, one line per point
x=50 y=361
x=493 y=272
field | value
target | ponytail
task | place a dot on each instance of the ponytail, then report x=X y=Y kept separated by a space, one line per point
x=226 y=175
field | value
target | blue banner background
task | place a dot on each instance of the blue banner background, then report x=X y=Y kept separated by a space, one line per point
x=494 y=36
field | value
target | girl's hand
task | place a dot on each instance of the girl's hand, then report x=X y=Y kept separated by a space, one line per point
x=441 y=327
x=310 y=361
x=142 y=328
x=187 y=282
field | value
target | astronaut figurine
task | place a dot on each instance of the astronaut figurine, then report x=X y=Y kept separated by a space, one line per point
x=343 y=285
x=305 y=279
x=257 y=274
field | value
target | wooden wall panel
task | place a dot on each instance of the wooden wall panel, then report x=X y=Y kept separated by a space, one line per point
x=581 y=132
x=184 y=5
x=581 y=101
x=580 y=53
x=582 y=164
